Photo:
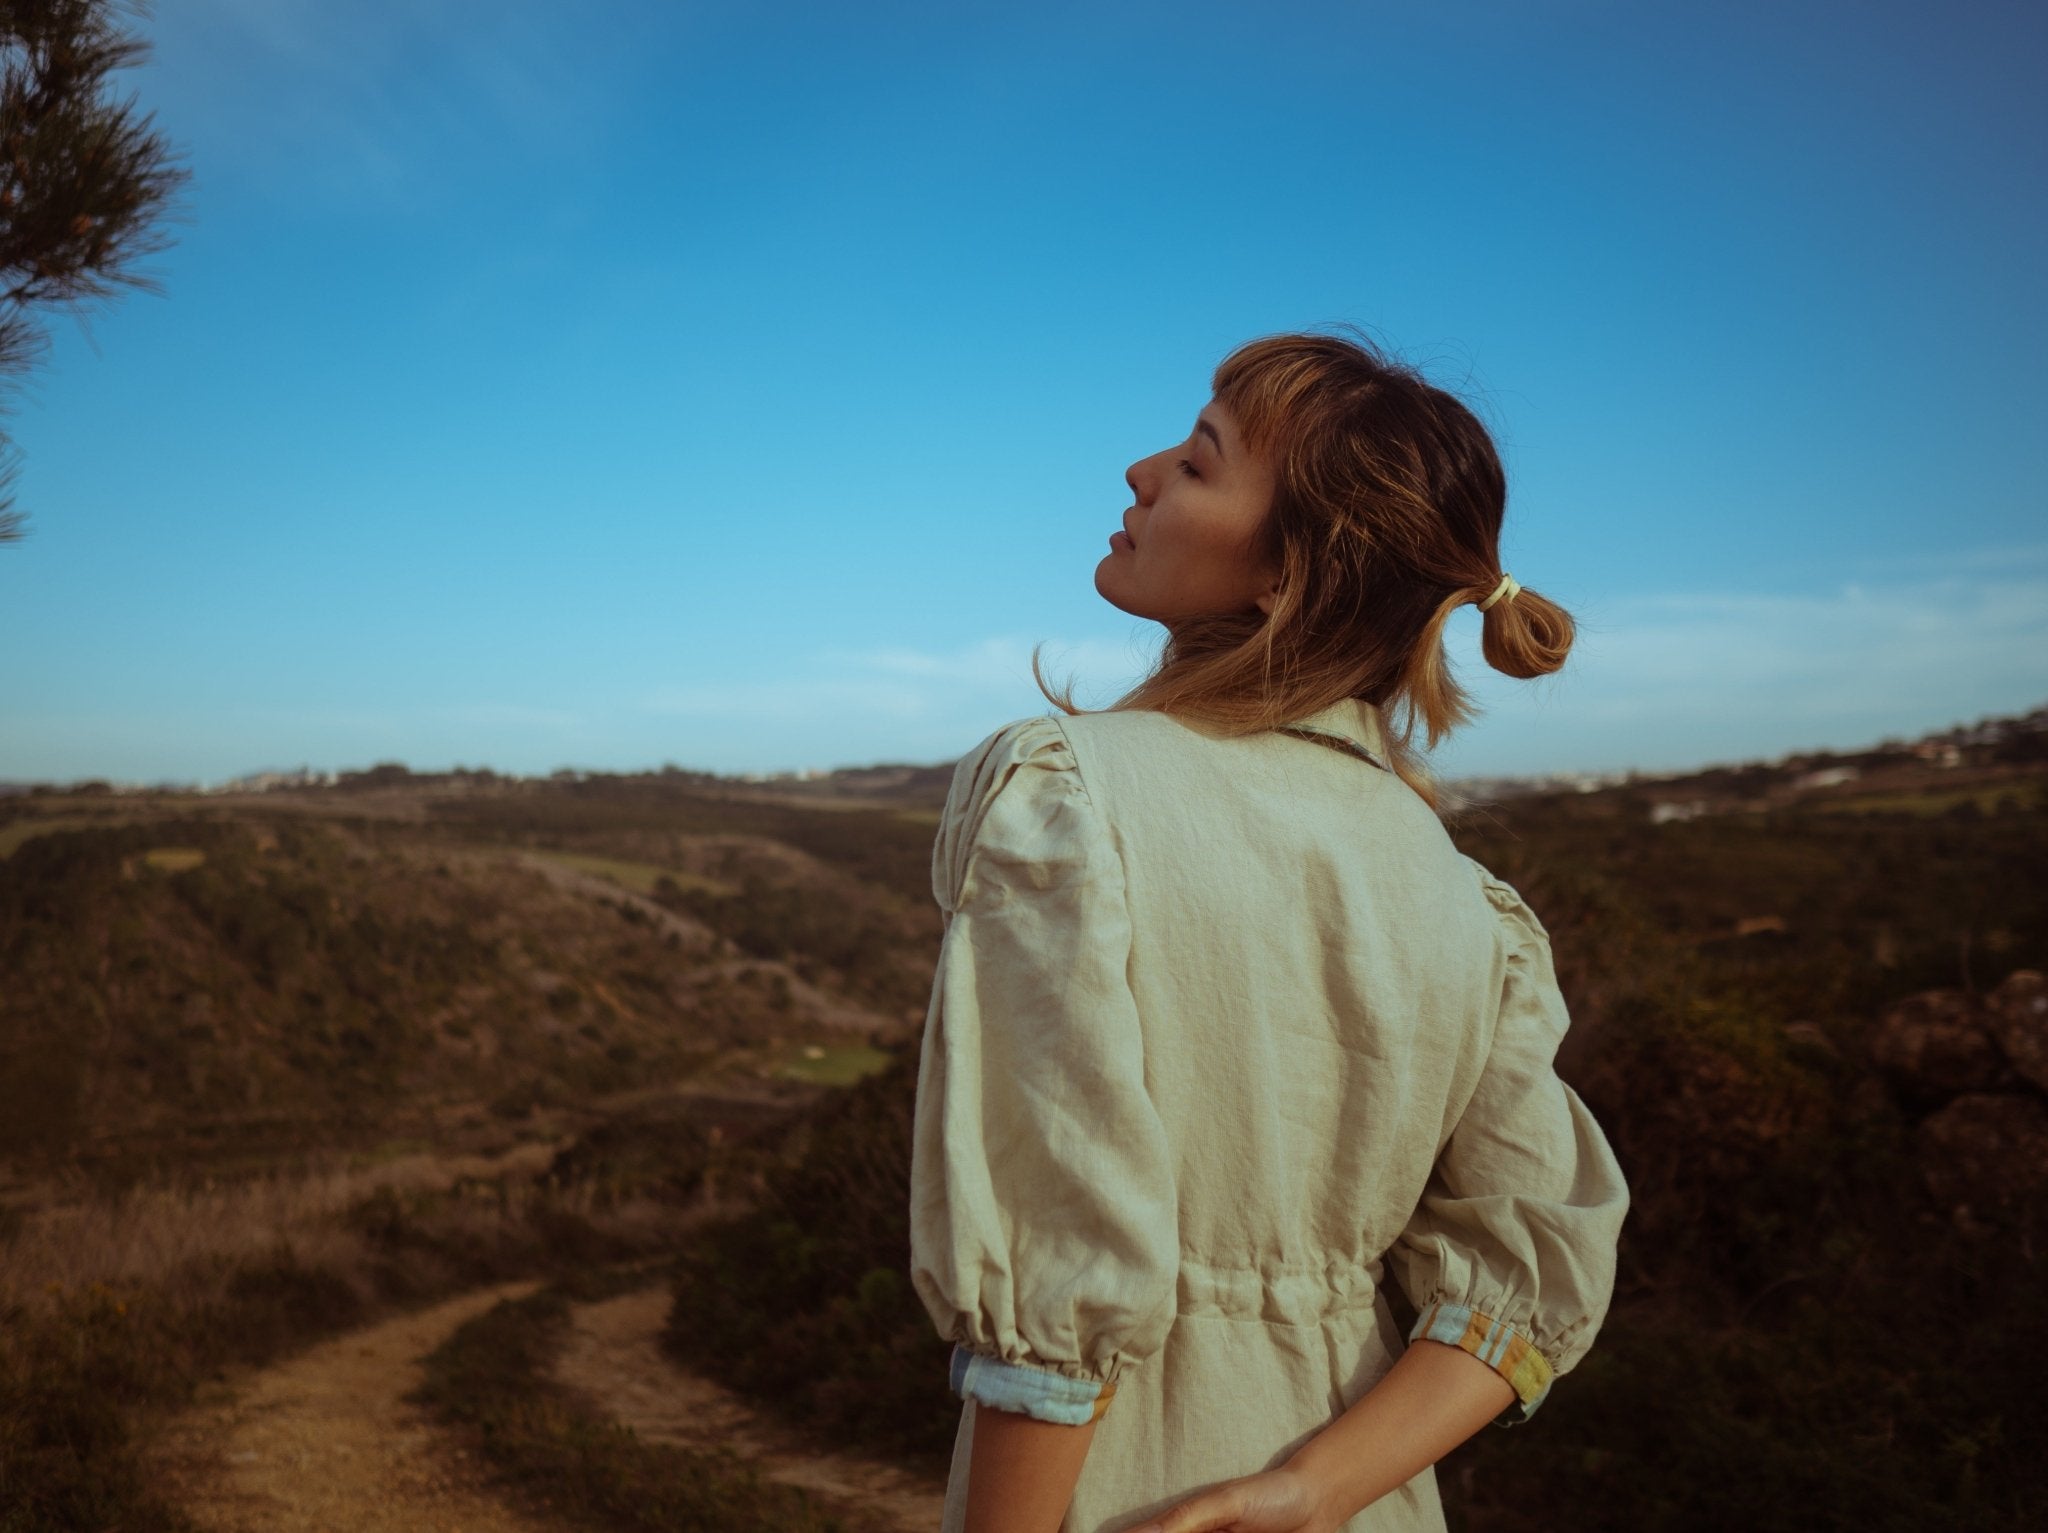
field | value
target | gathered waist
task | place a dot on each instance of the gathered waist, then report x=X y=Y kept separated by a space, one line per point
x=1277 y=1294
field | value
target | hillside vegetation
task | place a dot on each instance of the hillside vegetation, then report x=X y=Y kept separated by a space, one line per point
x=272 y=1061
x=1788 y=1014
x=238 y=977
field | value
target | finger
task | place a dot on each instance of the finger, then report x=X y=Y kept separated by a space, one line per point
x=1212 y=1513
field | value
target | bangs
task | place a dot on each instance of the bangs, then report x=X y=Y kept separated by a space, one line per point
x=1264 y=383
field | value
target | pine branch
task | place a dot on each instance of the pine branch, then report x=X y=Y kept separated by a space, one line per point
x=85 y=177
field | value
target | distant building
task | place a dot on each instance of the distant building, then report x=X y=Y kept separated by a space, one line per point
x=1671 y=809
x=1828 y=777
x=1485 y=790
x=266 y=782
x=1942 y=753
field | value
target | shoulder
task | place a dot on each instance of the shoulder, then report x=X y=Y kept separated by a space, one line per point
x=1144 y=732
x=1017 y=803
x=1135 y=759
x=1037 y=743
x=1518 y=923
x=1083 y=744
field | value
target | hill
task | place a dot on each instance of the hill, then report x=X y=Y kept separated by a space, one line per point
x=188 y=974
x=1807 y=1008
x=1815 y=1027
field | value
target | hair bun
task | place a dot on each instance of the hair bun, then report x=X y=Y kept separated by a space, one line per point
x=1525 y=634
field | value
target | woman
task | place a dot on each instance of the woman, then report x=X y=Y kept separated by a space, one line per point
x=1226 y=1035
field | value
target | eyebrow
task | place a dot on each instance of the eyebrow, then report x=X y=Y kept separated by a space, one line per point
x=1203 y=427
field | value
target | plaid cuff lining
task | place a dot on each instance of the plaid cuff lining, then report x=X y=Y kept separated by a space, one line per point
x=1495 y=1343
x=1036 y=1392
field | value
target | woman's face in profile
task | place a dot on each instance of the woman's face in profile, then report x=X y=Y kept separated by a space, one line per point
x=1185 y=547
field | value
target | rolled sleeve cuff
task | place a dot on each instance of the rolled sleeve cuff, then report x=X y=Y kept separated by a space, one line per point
x=1035 y=1392
x=1507 y=1351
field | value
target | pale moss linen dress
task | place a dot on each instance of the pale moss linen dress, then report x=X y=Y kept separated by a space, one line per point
x=1225 y=1036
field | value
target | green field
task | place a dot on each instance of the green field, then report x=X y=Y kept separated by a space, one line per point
x=640 y=877
x=30 y=826
x=833 y=1064
x=173 y=859
x=1988 y=800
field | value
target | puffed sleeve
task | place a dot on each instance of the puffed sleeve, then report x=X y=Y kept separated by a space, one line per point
x=1511 y=1252
x=1044 y=1232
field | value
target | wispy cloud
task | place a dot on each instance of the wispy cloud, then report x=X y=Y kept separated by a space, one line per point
x=793 y=699
x=1672 y=680
x=1656 y=681
x=1859 y=647
x=906 y=682
x=840 y=706
x=2009 y=560
x=372 y=103
x=1001 y=664
x=514 y=714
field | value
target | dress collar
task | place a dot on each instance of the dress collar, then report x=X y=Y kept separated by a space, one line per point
x=1351 y=724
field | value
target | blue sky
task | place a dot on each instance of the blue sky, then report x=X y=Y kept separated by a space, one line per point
x=750 y=386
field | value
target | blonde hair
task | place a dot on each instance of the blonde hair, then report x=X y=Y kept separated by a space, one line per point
x=1387 y=504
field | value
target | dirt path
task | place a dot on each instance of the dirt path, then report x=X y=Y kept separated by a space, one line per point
x=326 y=1443
x=695 y=936
x=614 y=1358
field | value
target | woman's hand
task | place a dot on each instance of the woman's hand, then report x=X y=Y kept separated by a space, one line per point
x=1282 y=1500
x=1433 y=1398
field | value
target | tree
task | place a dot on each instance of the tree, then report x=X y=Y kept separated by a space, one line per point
x=85 y=179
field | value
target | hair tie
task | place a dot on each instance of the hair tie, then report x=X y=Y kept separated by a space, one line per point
x=1507 y=588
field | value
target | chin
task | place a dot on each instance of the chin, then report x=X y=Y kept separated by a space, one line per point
x=1124 y=606
x=1106 y=588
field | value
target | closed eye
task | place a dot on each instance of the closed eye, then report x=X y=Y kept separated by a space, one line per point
x=1188 y=469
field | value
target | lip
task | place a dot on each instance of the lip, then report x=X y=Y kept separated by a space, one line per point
x=1121 y=539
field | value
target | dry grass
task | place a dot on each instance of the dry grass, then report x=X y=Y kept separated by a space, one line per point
x=28 y=826
x=173 y=859
x=113 y=1308
x=159 y=1235
x=494 y=1379
x=640 y=877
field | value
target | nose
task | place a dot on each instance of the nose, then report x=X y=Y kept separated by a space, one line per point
x=1143 y=478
